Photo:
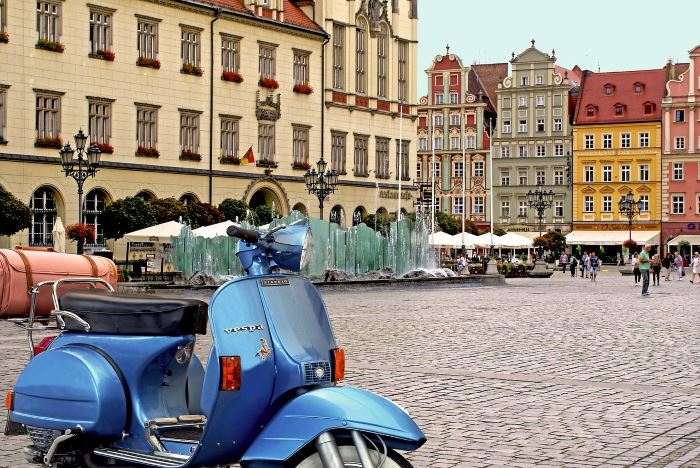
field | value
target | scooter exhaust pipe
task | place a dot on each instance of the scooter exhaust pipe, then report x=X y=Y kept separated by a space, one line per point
x=328 y=451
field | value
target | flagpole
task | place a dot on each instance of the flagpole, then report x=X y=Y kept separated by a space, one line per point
x=400 y=156
x=432 y=174
x=464 y=177
x=491 y=177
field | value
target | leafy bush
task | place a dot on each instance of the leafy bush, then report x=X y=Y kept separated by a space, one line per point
x=167 y=209
x=234 y=209
x=202 y=214
x=127 y=215
x=14 y=215
x=80 y=232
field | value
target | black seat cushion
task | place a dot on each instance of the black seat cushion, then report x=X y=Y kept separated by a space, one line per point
x=135 y=315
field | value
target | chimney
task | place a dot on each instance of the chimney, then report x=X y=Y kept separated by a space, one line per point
x=670 y=70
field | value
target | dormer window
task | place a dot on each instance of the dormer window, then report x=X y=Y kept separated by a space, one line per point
x=608 y=89
x=620 y=109
x=638 y=88
x=591 y=110
x=649 y=107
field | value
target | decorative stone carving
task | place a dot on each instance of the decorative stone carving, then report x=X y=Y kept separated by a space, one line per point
x=268 y=109
x=376 y=12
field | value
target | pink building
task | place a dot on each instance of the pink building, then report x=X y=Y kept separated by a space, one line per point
x=681 y=150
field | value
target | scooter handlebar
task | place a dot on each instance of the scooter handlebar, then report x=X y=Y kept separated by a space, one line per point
x=247 y=235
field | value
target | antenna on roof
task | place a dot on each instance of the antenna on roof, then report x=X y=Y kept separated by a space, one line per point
x=448 y=49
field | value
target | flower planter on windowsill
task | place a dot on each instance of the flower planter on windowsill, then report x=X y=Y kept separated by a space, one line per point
x=301 y=166
x=3 y=141
x=267 y=164
x=303 y=88
x=268 y=83
x=235 y=160
x=381 y=176
x=50 y=142
x=106 y=55
x=51 y=46
x=189 y=69
x=187 y=155
x=232 y=76
x=105 y=148
x=4 y=37
x=147 y=152
x=148 y=62
x=361 y=174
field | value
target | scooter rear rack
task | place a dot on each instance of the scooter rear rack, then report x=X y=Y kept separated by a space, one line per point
x=33 y=324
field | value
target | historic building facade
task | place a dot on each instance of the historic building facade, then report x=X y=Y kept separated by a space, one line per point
x=532 y=142
x=453 y=135
x=176 y=91
x=370 y=101
x=617 y=150
x=680 y=170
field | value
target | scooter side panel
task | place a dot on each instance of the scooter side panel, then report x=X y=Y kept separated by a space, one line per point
x=304 y=418
x=68 y=387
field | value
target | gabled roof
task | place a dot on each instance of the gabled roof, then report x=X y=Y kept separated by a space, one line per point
x=488 y=75
x=592 y=94
x=446 y=62
x=293 y=15
x=532 y=54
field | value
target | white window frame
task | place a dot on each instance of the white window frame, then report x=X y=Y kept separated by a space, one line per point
x=557 y=124
x=589 y=142
x=146 y=126
x=679 y=143
x=99 y=120
x=522 y=151
x=506 y=126
x=505 y=152
x=588 y=204
x=457 y=205
x=589 y=174
x=48 y=114
x=541 y=177
x=607 y=173
x=230 y=53
x=230 y=136
x=338 y=56
x=266 y=141
x=455 y=142
x=644 y=173
x=678 y=171
x=301 y=67
x=49 y=20
x=522 y=209
x=558 y=209
x=625 y=140
x=339 y=145
x=539 y=100
x=678 y=203
x=540 y=126
x=607 y=141
x=189 y=131
x=644 y=140
x=478 y=170
x=541 y=151
x=457 y=169
x=147 y=38
x=190 y=46
x=505 y=209
x=607 y=204
x=625 y=173
x=644 y=203
x=522 y=125
x=100 y=30
x=558 y=177
x=478 y=205
x=558 y=149
x=267 y=60
x=505 y=178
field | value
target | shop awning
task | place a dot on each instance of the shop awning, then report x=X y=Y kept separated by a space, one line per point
x=464 y=238
x=440 y=239
x=612 y=237
x=215 y=230
x=514 y=240
x=160 y=233
x=689 y=238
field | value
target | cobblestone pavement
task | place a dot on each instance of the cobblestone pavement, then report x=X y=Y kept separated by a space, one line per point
x=557 y=372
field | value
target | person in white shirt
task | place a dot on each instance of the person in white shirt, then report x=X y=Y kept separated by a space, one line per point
x=695 y=264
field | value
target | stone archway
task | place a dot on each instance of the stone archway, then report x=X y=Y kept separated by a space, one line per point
x=301 y=208
x=269 y=192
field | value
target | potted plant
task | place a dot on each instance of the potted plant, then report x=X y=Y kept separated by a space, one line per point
x=232 y=76
x=303 y=88
x=81 y=233
x=235 y=160
x=269 y=83
x=148 y=62
x=48 y=142
x=190 y=69
x=107 y=55
x=51 y=46
x=301 y=166
x=4 y=37
x=105 y=148
x=189 y=155
x=148 y=152
x=267 y=164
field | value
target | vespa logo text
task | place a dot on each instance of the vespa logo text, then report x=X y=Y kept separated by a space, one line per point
x=274 y=282
x=244 y=329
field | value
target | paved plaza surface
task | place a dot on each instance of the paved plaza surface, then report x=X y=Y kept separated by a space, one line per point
x=547 y=372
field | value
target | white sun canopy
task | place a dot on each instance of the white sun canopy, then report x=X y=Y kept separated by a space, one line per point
x=512 y=240
x=487 y=240
x=689 y=238
x=612 y=237
x=160 y=233
x=215 y=230
x=464 y=238
x=440 y=239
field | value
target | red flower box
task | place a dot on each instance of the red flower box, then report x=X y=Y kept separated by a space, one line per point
x=232 y=76
x=301 y=166
x=147 y=152
x=4 y=37
x=187 y=155
x=268 y=83
x=81 y=232
x=51 y=46
x=235 y=160
x=48 y=142
x=105 y=148
x=148 y=62
x=189 y=69
x=107 y=55
x=303 y=88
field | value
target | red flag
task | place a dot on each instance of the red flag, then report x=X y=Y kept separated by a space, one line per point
x=249 y=157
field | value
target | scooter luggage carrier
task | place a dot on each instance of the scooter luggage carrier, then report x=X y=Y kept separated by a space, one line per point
x=33 y=324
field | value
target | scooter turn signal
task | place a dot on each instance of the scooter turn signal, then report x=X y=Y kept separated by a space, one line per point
x=338 y=355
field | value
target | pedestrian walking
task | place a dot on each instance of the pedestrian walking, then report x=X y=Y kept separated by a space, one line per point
x=644 y=267
x=635 y=269
x=584 y=265
x=678 y=262
x=572 y=266
x=594 y=266
x=666 y=263
x=564 y=262
x=696 y=268
x=655 y=270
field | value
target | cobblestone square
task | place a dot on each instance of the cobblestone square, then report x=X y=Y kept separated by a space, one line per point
x=557 y=372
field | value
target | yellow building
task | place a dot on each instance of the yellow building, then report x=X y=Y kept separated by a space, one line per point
x=617 y=150
x=176 y=91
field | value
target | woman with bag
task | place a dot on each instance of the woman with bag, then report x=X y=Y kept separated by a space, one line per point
x=635 y=269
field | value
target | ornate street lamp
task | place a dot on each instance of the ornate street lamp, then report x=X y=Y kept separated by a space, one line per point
x=540 y=200
x=321 y=182
x=85 y=165
x=630 y=208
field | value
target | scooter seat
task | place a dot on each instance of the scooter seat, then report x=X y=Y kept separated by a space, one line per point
x=134 y=315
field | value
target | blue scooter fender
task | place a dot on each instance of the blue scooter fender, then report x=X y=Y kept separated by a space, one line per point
x=307 y=416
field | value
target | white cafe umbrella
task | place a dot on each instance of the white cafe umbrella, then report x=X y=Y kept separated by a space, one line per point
x=58 y=234
x=215 y=230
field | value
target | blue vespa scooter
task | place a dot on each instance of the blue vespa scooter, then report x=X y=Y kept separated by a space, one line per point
x=120 y=386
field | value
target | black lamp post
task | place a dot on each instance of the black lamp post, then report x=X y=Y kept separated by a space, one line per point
x=540 y=200
x=630 y=208
x=80 y=168
x=321 y=182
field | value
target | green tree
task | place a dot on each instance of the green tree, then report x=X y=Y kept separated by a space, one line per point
x=448 y=223
x=14 y=215
x=127 y=215
x=202 y=214
x=552 y=241
x=380 y=223
x=234 y=209
x=499 y=232
x=168 y=209
x=261 y=215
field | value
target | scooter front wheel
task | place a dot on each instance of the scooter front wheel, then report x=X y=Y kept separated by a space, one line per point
x=351 y=459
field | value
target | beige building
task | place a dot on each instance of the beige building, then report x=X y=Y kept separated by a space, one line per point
x=171 y=119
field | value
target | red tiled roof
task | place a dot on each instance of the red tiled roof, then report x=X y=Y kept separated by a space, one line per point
x=574 y=75
x=293 y=15
x=592 y=94
x=489 y=75
x=445 y=63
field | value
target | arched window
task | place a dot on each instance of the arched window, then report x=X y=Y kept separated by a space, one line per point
x=337 y=215
x=146 y=195
x=188 y=199
x=94 y=204
x=358 y=215
x=382 y=67
x=301 y=208
x=361 y=58
x=43 y=208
